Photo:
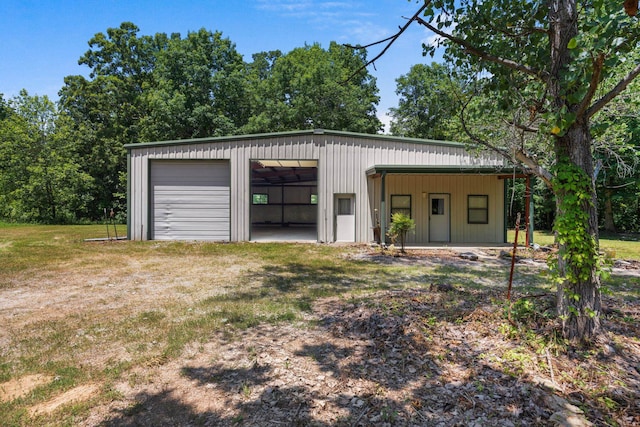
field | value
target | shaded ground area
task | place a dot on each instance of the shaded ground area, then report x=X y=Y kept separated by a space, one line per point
x=437 y=354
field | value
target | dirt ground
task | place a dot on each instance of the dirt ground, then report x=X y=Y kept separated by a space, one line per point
x=412 y=357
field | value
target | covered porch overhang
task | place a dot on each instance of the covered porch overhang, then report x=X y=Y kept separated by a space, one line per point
x=500 y=172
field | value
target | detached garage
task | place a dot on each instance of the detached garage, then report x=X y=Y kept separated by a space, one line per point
x=313 y=185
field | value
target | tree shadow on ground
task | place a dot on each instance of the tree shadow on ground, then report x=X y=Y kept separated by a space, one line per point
x=426 y=355
x=161 y=409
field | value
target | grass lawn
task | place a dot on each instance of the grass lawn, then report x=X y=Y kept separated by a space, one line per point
x=623 y=246
x=90 y=327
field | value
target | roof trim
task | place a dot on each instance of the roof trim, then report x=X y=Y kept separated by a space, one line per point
x=453 y=169
x=230 y=138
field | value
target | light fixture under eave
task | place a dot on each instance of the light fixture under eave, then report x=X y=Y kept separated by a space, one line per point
x=288 y=163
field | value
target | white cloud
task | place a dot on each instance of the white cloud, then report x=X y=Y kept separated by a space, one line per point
x=308 y=8
x=363 y=32
x=285 y=6
x=351 y=20
x=385 y=118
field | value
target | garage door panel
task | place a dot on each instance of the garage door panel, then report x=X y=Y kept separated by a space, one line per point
x=169 y=209
x=169 y=206
x=182 y=199
x=202 y=189
x=195 y=227
x=190 y=200
x=186 y=215
x=178 y=219
x=178 y=176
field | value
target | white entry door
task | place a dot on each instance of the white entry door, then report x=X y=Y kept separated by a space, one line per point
x=345 y=218
x=439 y=218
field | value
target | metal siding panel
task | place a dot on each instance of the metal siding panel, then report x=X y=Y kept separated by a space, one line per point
x=244 y=192
x=458 y=187
x=236 y=188
x=365 y=222
x=135 y=206
x=341 y=169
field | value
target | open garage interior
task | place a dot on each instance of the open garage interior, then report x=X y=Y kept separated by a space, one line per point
x=284 y=200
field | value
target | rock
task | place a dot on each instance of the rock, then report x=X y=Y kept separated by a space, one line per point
x=505 y=254
x=454 y=384
x=564 y=413
x=569 y=419
x=545 y=382
x=358 y=403
x=469 y=256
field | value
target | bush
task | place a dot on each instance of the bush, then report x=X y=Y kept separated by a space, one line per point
x=401 y=224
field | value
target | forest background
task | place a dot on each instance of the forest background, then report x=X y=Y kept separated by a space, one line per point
x=63 y=161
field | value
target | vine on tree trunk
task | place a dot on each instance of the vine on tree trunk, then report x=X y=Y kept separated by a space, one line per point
x=579 y=260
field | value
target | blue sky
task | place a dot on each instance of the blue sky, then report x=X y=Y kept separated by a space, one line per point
x=42 y=40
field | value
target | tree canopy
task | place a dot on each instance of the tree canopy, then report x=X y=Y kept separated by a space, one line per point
x=550 y=67
x=42 y=179
x=313 y=88
x=428 y=103
x=166 y=87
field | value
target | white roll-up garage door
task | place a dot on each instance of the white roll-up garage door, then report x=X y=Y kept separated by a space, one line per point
x=190 y=200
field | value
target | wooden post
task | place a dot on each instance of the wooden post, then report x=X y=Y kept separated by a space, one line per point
x=383 y=209
x=527 y=199
x=513 y=257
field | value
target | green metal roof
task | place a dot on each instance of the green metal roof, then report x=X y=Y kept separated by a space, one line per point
x=221 y=139
x=411 y=169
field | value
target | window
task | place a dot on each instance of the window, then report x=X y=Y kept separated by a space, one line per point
x=478 y=209
x=260 y=199
x=345 y=206
x=314 y=199
x=401 y=204
x=437 y=206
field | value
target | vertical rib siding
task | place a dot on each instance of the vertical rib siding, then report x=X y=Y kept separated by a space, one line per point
x=458 y=187
x=342 y=164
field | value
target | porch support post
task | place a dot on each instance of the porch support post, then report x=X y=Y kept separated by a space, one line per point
x=527 y=199
x=129 y=234
x=383 y=209
x=505 y=214
x=531 y=204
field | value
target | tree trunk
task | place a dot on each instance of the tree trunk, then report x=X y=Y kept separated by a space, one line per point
x=609 y=223
x=578 y=296
x=579 y=300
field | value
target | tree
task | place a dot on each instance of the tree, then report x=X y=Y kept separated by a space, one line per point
x=428 y=104
x=310 y=88
x=5 y=109
x=106 y=108
x=198 y=89
x=556 y=57
x=42 y=180
x=548 y=65
x=616 y=136
x=401 y=224
x=150 y=88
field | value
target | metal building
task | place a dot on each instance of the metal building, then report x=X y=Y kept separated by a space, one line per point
x=326 y=185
